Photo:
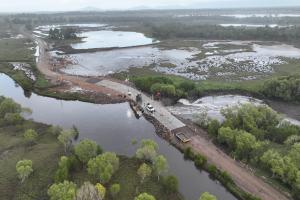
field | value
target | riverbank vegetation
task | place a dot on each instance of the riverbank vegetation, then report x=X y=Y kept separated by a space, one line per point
x=256 y=135
x=201 y=163
x=62 y=34
x=285 y=88
x=26 y=146
x=215 y=32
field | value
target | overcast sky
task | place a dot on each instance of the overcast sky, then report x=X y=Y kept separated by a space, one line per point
x=68 y=5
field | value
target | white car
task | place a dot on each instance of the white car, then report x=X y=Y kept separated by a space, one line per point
x=150 y=108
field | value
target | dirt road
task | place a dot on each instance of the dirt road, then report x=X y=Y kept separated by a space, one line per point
x=243 y=177
x=161 y=113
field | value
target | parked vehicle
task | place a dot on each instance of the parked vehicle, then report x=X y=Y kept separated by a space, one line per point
x=150 y=108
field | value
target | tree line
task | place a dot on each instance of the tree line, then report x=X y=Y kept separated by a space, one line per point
x=285 y=88
x=257 y=135
x=180 y=30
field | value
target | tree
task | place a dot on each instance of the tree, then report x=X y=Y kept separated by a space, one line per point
x=213 y=127
x=62 y=172
x=87 y=192
x=295 y=153
x=144 y=196
x=201 y=119
x=147 y=151
x=170 y=184
x=114 y=190
x=160 y=165
x=244 y=144
x=66 y=138
x=24 y=169
x=54 y=130
x=30 y=135
x=62 y=191
x=9 y=106
x=207 y=196
x=85 y=150
x=227 y=136
x=103 y=166
x=144 y=171
x=101 y=190
x=13 y=118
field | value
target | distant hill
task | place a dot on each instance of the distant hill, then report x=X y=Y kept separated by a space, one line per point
x=90 y=8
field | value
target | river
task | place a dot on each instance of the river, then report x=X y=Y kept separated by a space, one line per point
x=114 y=126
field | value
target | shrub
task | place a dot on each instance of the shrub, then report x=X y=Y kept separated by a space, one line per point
x=62 y=172
x=24 y=169
x=226 y=178
x=213 y=170
x=86 y=150
x=115 y=189
x=200 y=161
x=189 y=154
x=213 y=127
x=30 y=135
x=170 y=184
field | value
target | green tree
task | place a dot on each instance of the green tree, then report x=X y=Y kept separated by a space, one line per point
x=66 y=139
x=170 y=184
x=295 y=153
x=147 y=151
x=213 y=127
x=24 y=169
x=55 y=130
x=103 y=166
x=160 y=165
x=85 y=150
x=115 y=189
x=207 y=196
x=201 y=119
x=244 y=144
x=227 y=136
x=87 y=192
x=13 y=119
x=62 y=172
x=144 y=196
x=9 y=106
x=30 y=135
x=62 y=191
x=144 y=171
x=101 y=190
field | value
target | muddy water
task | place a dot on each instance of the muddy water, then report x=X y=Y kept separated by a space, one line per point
x=113 y=127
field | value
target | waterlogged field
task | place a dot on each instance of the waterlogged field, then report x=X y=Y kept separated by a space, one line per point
x=221 y=60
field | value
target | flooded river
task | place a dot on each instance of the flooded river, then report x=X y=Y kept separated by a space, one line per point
x=113 y=127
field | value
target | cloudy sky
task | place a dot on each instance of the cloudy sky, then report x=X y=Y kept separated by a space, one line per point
x=68 y=5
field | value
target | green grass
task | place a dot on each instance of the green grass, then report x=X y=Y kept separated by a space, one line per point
x=129 y=181
x=44 y=154
x=16 y=50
